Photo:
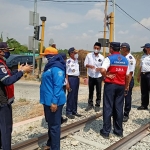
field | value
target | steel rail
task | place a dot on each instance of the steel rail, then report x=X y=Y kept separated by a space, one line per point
x=130 y=140
x=34 y=143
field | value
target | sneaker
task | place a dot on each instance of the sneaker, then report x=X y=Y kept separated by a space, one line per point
x=63 y=120
x=97 y=108
x=70 y=116
x=142 y=108
x=125 y=118
x=118 y=135
x=77 y=115
x=88 y=108
x=106 y=136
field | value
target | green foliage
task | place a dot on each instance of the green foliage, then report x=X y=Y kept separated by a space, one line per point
x=18 y=47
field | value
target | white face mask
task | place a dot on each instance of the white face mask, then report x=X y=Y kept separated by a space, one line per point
x=96 y=51
x=76 y=56
x=44 y=60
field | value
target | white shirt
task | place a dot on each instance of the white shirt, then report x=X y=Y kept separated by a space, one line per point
x=72 y=67
x=106 y=65
x=132 y=63
x=96 y=61
x=145 y=63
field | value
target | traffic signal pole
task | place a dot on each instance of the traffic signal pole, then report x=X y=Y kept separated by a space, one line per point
x=42 y=43
x=35 y=12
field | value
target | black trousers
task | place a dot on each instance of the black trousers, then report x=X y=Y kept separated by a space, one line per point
x=98 y=83
x=5 y=126
x=145 y=88
x=128 y=99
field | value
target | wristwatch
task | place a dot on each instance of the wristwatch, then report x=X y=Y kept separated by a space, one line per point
x=22 y=71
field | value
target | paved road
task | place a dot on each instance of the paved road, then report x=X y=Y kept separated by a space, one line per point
x=29 y=90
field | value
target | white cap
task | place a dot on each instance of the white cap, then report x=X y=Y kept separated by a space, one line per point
x=51 y=42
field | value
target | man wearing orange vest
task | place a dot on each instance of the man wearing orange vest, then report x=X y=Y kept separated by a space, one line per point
x=115 y=71
x=7 y=79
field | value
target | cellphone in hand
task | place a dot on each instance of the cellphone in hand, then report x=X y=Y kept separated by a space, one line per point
x=125 y=92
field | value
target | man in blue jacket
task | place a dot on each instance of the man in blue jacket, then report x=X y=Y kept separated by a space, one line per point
x=52 y=95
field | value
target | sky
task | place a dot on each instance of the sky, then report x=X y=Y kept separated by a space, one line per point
x=76 y=25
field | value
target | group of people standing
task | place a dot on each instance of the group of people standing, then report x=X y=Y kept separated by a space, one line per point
x=61 y=74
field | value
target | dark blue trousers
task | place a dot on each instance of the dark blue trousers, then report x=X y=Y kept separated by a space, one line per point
x=54 y=123
x=145 y=88
x=72 y=97
x=113 y=100
x=6 y=126
x=128 y=99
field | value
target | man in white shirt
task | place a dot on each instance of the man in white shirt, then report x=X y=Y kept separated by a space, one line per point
x=125 y=50
x=93 y=62
x=72 y=86
x=145 y=78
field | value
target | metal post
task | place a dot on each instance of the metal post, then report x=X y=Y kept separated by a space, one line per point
x=111 y=33
x=35 y=12
x=42 y=43
x=104 y=48
x=114 y=7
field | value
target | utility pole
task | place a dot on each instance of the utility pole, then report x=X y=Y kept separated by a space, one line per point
x=105 y=24
x=111 y=32
x=114 y=7
x=35 y=13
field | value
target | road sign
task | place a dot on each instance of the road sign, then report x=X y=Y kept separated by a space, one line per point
x=31 y=43
x=31 y=18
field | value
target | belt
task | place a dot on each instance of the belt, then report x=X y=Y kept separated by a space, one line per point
x=145 y=72
x=72 y=76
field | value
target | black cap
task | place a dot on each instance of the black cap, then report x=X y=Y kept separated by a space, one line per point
x=3 y=45
x=72 y=49
x=115 y=44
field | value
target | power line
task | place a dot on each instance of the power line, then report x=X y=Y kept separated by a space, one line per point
x=132 y=17
x=90 y=1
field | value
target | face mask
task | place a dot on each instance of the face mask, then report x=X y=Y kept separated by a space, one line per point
x=44 y=60
x=96 y=51
x=76 y=56
x=7 y=54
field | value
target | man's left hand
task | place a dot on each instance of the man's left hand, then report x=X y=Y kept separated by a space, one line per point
x=53 y=107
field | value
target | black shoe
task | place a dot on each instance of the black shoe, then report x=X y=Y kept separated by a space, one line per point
x=125 y=118
x=97 y=108
x=63 y=120
x=106 y=136
x=118 y=135
x=142 y=108
x=70 y=116
x=88 y=108
x=77 y=115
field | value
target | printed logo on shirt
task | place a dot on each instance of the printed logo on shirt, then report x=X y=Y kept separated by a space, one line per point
x=119 y=58
x=99 y=60
x=130 y=57
x=73 y=70
x=60 y=73
x=4 y=70
x=69 y=61
x=131 y=62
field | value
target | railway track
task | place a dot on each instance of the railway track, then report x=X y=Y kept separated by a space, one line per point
x=130 y=140
x=33 y=144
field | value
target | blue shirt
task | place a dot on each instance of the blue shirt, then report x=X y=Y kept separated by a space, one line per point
x=51 y=88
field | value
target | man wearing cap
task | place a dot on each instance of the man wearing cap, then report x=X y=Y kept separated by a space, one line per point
x=7 y=79
x=52 y=95
x=125 y=50
x=72 y=76
x=93 y=62
x=115 y=72
x=145 y=78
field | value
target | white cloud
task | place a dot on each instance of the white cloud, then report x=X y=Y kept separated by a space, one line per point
x=99 y=5
x=96 y=14
x=83 y=36
x=99 y=35
x=123 y=32
x=58 y=27
x=144 y=21
x=90 y=31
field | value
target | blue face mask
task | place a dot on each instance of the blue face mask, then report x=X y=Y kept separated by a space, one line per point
x=7 y=54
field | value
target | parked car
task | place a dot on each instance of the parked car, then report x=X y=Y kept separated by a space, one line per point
x=13 y=61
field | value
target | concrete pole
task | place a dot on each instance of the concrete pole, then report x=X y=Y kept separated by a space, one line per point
x=114 y=7
x=106 y=6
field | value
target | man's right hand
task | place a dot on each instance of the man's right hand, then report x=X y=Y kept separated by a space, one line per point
x=27 y=68
x=92 y=67
x=67 y=86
